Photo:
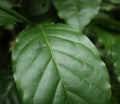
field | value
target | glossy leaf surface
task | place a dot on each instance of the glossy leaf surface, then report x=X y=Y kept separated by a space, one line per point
x=77 y=13
x=54 y=64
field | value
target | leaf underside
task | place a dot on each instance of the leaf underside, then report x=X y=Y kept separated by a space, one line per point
x=55 y=65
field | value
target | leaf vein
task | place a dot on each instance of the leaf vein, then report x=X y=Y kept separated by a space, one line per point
x=41 y=78
x=78 y=96
x=75 y=73
x=27 y=44
x=73 y=42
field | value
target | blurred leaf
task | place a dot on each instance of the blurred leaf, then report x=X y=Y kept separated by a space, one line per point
x=111 y=42
x=77 y=13
x=5 y=3
x=59 y=66
x=107 y=6
x=35 y=7
x=116 y=56
x=8 y=92
x=112 y=1
x=10 y=16
x=105 y=38
x=6 y=19
x=10 y=3
x=111 y=51
x=115 y=1
x=106 y=21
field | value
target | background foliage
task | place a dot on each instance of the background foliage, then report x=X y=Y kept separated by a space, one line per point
x=99 y=21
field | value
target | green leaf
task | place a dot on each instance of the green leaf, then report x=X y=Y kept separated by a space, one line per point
x=7 y=15
x=33 y=8
x=116 y=56
x=106 y=21
x=111 y=42
x=8 y=91
x=6 y=19
x=5 y=3
x=10 y=16
x=77 y=13
x=107 y=6
x=54 y=64
x=104 y=37
x=115 y=1
x=112 y=1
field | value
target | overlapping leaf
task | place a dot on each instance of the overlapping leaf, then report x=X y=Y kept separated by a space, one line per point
x=77 y=13
x=54 y=64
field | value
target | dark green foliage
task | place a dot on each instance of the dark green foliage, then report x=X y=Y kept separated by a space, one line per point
x=8 y=91
x=67 y=52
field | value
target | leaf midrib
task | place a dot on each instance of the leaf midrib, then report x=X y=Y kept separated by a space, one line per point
x=54 y=60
